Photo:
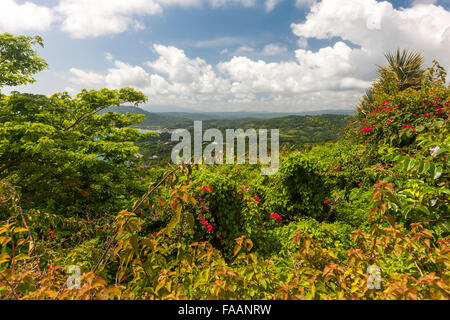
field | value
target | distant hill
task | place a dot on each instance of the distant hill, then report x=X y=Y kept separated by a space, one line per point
x=173 y=109
x=295 y=130
x=172 y=120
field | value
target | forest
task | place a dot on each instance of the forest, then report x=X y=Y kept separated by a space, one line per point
x=358 y=209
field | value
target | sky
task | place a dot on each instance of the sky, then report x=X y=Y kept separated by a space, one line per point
x=227 y=55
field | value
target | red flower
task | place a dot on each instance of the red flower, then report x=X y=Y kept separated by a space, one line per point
x=276 y=217
x=207 y=225
x=368 y=129
x=388 y=122
x=207 y=189
x=52 y=234
x=325 y=202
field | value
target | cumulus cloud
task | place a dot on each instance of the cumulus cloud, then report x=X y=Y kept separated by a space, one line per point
x=28 y=16
x=315 y=78
x=88 y=18
x=327 y=69
x=185 y=74
x=332 y=77
x=86 y=78
x=121 y=75
x=377 y=27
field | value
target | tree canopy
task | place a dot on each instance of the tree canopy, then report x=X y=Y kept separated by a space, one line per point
x=60 y=145
x=18 y=60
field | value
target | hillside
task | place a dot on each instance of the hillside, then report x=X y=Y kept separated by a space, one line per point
x=295 y=131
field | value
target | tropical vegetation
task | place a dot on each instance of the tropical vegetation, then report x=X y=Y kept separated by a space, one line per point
x=365 y=216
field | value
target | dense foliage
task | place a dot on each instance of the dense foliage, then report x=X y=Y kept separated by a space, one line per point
x=363 y=217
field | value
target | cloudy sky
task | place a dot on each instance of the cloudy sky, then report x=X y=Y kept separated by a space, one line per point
x=227 y=55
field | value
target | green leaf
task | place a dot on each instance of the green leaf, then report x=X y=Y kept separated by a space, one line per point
x=190 y=221
x=437 y=173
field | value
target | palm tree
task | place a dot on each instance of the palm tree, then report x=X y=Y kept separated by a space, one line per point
x=405 y=66
x=404 y=70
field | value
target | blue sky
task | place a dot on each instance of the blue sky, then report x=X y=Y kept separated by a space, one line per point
x=227 y=55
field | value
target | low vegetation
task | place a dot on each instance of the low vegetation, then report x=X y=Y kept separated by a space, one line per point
x=361 y=217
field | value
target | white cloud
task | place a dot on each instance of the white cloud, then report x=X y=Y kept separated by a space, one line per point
x=126 y=75
x=315 y=79
x=188 y=75
x=327 y=69
x=332 y=77
x=28 y=16
x=89 y=18
x=271 y=4
x=243 y=50
x=86 y=78
x=121 y=75
x=274 y=50
x=377 y=27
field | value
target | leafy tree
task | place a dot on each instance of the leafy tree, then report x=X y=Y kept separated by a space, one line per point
x=58 y=149
x=404 y=70
x=18 y=61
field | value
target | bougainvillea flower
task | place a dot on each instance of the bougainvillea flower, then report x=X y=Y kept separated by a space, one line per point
x=207 y=225
x=208 y=189
x=433 y=150
x=368 y=129
x=276 y=217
